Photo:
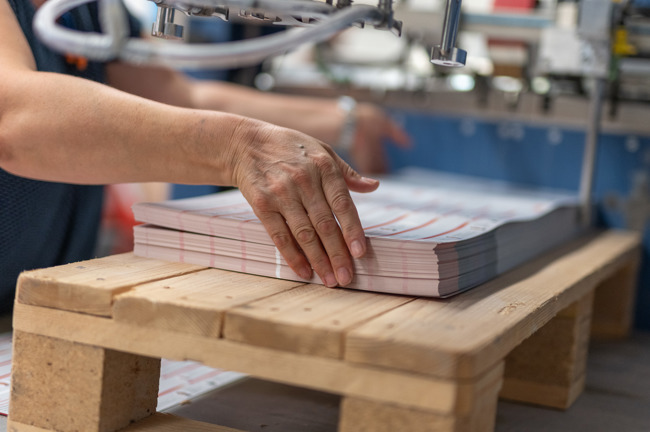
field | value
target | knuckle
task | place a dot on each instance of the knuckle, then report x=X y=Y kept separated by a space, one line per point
x=342 y=203
x=320 y=262
x=279 y=189
x=281 y=239
x=326 y=226
x=340 y=260
x=324 y=162
x=305 y=235
x=262 y=203
x=301 y=177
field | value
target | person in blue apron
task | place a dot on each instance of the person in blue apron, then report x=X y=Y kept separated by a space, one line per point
x=68 y=126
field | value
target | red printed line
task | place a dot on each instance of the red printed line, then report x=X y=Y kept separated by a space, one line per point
x=5 y=363
x=463 y=225
x=173 y=389
x=5 y=376
x=414 y=228
x=205 y=376
x=386 y=223
x=4 y=407
x=186 y=368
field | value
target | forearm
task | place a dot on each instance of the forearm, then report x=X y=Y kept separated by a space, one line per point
x=59 y=128
x=318 y=117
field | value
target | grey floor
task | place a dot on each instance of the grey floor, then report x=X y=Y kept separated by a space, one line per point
x=616 y=399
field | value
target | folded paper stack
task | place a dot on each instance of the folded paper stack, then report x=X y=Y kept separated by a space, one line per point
x=429 y=234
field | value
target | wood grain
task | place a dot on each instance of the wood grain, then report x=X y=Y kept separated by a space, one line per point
x=89 y=286
x=156 y=423
x=62 y=385
x=553 y=361
x=334 y=376
x=311 y=319
x=193 y=303
x=614 y=303
x=361 y=415
x=464 y=335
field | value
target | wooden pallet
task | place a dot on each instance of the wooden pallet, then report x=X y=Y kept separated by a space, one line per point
x=88 y=338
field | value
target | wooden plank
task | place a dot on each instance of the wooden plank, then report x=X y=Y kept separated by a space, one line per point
x=171 y=423
x=89 y=286
x=156 y=423
x=614 y=304
x=549 y=367
x=311 y=319
x=62 y=385
x=193 y=303
x=334 y=376
x=360 y=415
x=462 y=336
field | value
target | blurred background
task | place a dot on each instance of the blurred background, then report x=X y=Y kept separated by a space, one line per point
x=540 y=77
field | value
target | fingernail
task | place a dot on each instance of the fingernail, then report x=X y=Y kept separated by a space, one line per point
x=344 y=276
x=369 y=180
x=357 y=249
x=330 y=280
x=305 y=273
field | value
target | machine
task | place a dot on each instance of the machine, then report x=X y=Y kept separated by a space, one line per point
x=554 y=92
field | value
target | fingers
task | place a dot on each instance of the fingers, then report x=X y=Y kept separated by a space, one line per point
x=397 y=134
x=374 y=127
x=300 y=190
x=335 y=256
x=283 y=239
x=315 y=235
x=338 y=196
x=379 y=124
x=355 y=181
x=300 y=220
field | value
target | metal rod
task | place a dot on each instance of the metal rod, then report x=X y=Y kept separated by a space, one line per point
x=590 y=152
x=450 y=26
x=446 y=54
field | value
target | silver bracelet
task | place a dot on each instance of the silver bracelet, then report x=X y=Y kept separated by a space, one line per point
x=349 y=129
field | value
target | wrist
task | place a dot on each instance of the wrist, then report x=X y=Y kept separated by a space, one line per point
x=247 y=145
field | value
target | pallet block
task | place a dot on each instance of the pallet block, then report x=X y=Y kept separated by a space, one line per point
x=614 y=303
x=96 y=329
x=549 y=367
x=63 y=385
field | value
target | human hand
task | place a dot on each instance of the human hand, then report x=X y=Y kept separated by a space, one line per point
x=297 y=185
x=373 y=126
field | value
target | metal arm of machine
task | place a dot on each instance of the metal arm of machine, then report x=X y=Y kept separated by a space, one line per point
x=446 y=54
x=320 y=21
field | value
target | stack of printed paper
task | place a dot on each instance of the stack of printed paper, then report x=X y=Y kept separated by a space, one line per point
x=429 y=234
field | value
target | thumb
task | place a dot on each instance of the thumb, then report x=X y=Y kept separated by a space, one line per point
x=355 y=181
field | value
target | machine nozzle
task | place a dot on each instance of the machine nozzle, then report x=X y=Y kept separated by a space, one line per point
x=164 y=26
x=446 y=54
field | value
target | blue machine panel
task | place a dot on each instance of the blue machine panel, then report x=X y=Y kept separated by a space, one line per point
x=546 y=156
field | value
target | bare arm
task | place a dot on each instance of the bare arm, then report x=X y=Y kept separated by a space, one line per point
x=60 y=128
x=318 y=117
